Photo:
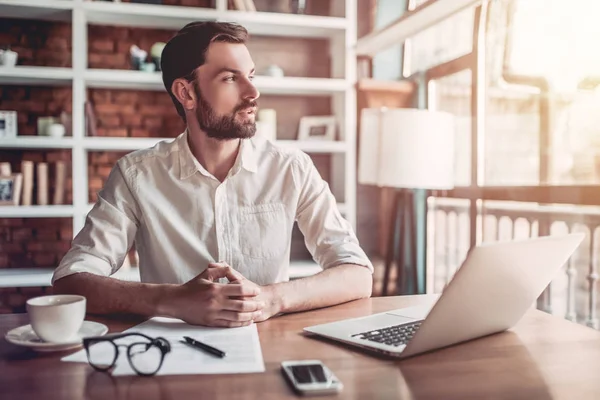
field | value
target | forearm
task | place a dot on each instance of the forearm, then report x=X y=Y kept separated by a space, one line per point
x=112 y=296
x=333 y=286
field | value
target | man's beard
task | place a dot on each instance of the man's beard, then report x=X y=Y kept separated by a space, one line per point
x=223 y=127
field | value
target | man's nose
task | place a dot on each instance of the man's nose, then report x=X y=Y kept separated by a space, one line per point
x=251 y=92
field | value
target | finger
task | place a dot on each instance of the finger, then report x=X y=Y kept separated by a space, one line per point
x=237 y=289
x=238 y=316
x=243 y=305
x=230 y=324
x=218 y=264
x=215 y=273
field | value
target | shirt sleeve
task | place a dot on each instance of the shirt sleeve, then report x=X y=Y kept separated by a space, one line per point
x=109 y=231
x=328 y=236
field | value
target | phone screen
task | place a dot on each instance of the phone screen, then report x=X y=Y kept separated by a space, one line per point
x=310 y=373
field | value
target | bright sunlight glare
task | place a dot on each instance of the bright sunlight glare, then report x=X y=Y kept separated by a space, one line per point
x=556 y=39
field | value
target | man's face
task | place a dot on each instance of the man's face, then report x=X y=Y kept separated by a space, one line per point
x=226 y=105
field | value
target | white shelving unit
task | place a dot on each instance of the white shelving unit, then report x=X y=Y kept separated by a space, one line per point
x=339 y=29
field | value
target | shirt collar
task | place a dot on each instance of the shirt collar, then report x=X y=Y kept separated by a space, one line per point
x=189 y=165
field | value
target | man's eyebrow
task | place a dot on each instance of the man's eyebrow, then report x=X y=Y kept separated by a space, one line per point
x=231 y=70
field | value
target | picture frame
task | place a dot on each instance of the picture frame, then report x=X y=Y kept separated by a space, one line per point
x=317 y=128
x=10 y=189
x=8 y=124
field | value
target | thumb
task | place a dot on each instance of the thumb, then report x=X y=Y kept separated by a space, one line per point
x=217 y=271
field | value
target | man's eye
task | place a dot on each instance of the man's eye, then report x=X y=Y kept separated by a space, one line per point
x=229 y=79
x=251 y=77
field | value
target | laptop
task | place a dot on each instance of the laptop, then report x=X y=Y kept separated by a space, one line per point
x=495 y=286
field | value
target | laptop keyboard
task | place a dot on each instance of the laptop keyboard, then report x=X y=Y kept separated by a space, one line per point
x=396 y=335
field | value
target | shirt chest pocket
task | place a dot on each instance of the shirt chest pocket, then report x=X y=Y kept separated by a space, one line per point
x=263 y=232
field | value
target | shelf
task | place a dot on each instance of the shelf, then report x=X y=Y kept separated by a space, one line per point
x=279 y=24
x=139 y=80
x=175 y=17
x=47 y=10
x=341 y=206
x=36 y=277
x=62 y=211
x=102 y=143
x=145 y=15
x=36 y=142
x=119 y=143
x=303 y=268
x=42 y=277
x=300 y=86
x=315 y=146
x=24 y=75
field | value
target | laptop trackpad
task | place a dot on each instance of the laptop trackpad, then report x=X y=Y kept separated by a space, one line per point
x=416 y=312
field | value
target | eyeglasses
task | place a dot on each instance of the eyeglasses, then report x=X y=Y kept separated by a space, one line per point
x=145 y=354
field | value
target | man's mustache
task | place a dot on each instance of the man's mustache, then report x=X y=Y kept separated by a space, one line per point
x=246 y=104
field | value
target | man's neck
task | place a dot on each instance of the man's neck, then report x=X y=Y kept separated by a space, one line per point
x=216 y=156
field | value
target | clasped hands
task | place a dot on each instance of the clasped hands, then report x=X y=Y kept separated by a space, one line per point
x=204 y=301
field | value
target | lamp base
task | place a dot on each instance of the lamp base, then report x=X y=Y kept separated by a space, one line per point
x=403 y=244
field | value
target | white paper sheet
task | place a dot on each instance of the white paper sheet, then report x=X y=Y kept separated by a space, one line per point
x=242 y=346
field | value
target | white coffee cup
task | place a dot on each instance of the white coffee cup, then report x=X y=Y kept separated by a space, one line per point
x=57 y=318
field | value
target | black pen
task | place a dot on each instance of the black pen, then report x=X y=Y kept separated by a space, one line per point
x=205 y=347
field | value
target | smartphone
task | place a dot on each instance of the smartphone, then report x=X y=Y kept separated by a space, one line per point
x=311 y=377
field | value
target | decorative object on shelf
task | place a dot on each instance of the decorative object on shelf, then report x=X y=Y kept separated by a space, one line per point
x=138 y=57
x=90 y=119
x=56 y=130
x=8 y=124
x=27 y=171
x=43 y=125
x=274 y=70
x=298 y=6
x=67 y=121
x=411 y=150
x=266 y=126
x=10 y=189
x=156 y=53
x=317 y=128
x=148 y=67
x=8 y=58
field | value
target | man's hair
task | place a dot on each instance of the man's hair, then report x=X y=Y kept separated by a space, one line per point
x=186 y=51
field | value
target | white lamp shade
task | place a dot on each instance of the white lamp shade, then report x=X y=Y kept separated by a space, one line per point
x=407 y=148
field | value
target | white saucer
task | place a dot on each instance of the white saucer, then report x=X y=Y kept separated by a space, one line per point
x=25 y=336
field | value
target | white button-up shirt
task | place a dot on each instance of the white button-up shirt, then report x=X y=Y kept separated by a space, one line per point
x=182 y=218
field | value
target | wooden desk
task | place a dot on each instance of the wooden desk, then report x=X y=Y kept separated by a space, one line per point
x=543 y=357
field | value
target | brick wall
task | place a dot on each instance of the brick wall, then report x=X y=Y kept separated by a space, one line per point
x=32 y=102
x=39 y=43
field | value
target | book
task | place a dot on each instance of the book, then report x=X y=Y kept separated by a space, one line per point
x=5 y=169
x=90 y=119
x=239 y=5
x=42 y=184
x=60 y=171
x=27 y=170
x=249 y=5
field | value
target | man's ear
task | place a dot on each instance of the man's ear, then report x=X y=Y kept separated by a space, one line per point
x=184 y=92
